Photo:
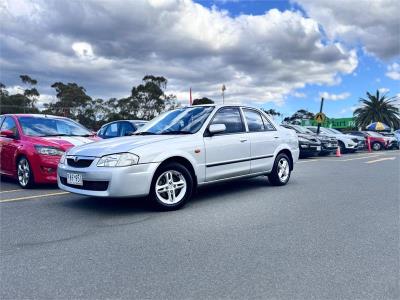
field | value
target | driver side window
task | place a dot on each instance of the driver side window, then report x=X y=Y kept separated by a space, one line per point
x=9 y=124
x=231 y=118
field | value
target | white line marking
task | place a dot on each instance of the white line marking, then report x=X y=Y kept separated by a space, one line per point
x=380 y=159
x=10 y=191
x=33 y=197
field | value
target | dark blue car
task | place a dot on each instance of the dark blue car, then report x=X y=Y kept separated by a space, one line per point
x=119 y=128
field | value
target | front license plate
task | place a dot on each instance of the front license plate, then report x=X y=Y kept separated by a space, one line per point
x=329 y=145
x=318 y=148
x=74 y=178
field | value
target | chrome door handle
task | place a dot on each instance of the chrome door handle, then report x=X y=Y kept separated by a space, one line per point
x=244 y=140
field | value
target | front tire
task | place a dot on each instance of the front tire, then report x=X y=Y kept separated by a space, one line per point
x=172 y=187
x=24 y=173
x=280 y=173
x=376 y=146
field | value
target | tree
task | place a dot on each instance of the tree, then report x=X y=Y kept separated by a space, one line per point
x=20 y=102
x=203 y=100
x=272 y=112
x=148 y=99
x=299 y=115
x=73 y=102
x=377 y=108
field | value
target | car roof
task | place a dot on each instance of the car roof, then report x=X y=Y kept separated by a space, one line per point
x=35 y=116
x=132 y=121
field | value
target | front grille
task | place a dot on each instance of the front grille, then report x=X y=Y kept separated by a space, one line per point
x=87 y=185
x=80 y=163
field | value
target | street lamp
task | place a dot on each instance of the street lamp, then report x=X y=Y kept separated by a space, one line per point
x=223 y=93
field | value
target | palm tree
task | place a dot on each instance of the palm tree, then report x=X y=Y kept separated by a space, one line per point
x=377 y=108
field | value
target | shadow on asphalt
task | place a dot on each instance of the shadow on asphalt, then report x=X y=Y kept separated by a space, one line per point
x=124 y=206
x=12 y=183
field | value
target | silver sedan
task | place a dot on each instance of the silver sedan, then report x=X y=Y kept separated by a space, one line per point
x=179 y=150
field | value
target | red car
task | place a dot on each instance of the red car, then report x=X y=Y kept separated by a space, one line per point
x=31 y=145
x=378 y=141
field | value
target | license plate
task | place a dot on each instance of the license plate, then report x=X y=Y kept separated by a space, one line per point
x=329 y=145
x=74 y=178
x=318 y=148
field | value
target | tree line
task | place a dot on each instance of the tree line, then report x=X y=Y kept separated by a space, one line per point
x=145 y=101
x=149 y=99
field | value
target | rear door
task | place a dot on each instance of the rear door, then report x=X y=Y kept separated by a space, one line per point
x=264 y=139
x=227 y=153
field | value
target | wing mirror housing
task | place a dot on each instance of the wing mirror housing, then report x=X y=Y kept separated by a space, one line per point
x=7 y=133
x=216 y=128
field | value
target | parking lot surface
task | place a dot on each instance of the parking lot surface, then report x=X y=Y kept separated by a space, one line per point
x=331 y=233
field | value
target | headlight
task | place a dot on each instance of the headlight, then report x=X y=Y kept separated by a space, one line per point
x=301 y=139
x=45 y=150
x=118 y=160
x=62 y=159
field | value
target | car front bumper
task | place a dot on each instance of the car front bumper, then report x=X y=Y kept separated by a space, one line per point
x=132 y=181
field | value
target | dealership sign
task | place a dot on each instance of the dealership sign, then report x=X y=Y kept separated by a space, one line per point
x=331 y=123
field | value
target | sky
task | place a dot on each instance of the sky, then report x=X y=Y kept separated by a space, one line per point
x=281 y=54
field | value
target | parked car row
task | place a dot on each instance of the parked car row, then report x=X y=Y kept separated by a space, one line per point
x=166 y=159
x=329 y=139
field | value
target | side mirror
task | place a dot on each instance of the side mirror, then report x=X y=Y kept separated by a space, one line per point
x=216 y=128
x=7 y=133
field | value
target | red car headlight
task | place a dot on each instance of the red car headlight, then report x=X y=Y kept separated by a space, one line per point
x=46 y=150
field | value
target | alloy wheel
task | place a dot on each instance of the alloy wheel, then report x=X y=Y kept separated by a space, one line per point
x=24 y=172
x=170 y=187
x=283 y=169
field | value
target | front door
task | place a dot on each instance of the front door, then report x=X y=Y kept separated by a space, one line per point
x=227 y=153
x=8 y=147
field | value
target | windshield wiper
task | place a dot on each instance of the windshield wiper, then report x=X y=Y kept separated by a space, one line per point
x=176 y=132
x=144 y=133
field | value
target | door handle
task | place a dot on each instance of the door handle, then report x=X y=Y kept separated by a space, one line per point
x=244 y=140
x=276 y=137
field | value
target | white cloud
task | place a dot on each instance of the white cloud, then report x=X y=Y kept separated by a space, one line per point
x=299 y=95
x=108 y=46
x=373 y=23
x=393 y=71
x=334 y=97
x=15 y=89
x=384 y=90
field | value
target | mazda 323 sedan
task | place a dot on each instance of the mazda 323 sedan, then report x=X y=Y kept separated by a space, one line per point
x=179 y=150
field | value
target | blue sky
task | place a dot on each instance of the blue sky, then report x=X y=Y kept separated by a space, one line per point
x=273 y=54
x=368 y=76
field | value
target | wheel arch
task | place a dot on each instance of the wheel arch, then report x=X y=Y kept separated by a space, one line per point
x=183 y=161
x=289 y=154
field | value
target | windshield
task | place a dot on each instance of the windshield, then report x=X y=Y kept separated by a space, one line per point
x=335 y=131
x=185 y=120
x=42 y=126
x=302 y=129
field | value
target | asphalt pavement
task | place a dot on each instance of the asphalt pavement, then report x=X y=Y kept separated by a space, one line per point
x=331 y=233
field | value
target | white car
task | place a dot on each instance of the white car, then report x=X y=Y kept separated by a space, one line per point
x=346 y=142
x=179 y=150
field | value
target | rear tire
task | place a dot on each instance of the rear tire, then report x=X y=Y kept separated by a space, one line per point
x=171 y=187
x=342 y=147
x=24 y=173
x=280 y=173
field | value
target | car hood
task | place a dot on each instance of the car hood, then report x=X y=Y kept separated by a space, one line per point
x=118 y=145
x=310 y=137
x=63 y=142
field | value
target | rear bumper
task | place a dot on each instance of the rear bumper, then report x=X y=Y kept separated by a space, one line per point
x=132 y=181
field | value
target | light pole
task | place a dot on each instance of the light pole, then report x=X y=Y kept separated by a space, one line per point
x=223 y=93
